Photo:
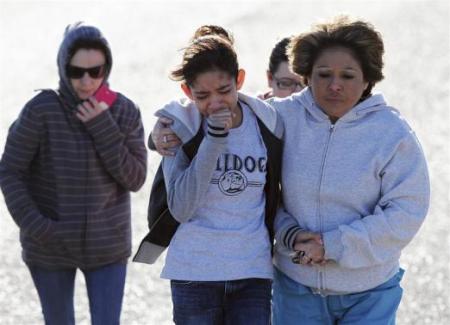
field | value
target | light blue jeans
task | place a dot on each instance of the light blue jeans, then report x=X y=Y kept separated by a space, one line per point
x=294 y=303
x=105 y=287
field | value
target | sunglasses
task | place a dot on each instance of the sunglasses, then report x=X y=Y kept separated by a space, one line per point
x=74 y=72
x=287 y=83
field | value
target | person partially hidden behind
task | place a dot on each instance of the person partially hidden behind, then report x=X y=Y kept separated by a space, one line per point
x=281 y=80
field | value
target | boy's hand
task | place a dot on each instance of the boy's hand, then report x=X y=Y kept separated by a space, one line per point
x=304 y=236
x=313 y=252
x=220 y=122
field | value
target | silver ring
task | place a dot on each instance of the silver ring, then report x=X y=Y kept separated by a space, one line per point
x=165 y=139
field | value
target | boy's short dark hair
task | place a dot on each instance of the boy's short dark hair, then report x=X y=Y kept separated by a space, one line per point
x=206 y=53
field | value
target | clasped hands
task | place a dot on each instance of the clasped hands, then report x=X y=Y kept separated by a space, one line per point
x=308 y=249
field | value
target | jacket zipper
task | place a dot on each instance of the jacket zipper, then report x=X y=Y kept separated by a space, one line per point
x=320 y=275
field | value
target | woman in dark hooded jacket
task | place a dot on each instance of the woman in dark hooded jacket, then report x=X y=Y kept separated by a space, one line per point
x=67 y=170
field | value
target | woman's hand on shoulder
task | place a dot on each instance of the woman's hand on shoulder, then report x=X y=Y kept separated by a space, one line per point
x=164 y=138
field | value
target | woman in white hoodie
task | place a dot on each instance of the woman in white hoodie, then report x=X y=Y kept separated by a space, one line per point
x=353 y=172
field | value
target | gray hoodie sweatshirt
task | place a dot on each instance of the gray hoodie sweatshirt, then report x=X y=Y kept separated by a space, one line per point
x=222 y=236
x=362 y=183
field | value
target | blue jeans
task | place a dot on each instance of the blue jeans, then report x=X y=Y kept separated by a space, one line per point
x=294 y=303
x=105 y=287
x=234 y=302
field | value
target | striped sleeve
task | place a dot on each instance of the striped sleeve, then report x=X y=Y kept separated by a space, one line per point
x=286 y=229
x=21 y=147
x=122 y=152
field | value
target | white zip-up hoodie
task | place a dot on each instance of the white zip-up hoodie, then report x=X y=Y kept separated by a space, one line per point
x=362 y=183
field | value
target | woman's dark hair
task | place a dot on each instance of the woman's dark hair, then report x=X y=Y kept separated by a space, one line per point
x=278 y=54
x=213 y=30
x=90 y=44
x=206 y=53
x=360 y=37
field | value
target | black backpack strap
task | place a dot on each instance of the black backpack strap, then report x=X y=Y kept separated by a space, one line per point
x=190 y=148
x=272 y=188
x=161 y=223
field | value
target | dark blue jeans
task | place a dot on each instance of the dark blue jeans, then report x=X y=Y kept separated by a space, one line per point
x=234 y=302
x=105 y=287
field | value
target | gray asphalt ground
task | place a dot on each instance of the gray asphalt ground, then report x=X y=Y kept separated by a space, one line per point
x=145 y=38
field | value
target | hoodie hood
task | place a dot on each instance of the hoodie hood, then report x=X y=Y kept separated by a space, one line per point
x=72 y=34
x=373 y=103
